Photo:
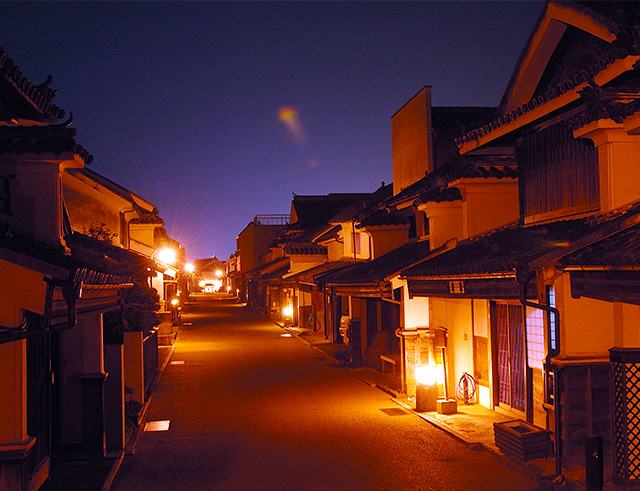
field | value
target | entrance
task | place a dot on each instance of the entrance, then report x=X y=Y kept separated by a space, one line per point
x=507 y=321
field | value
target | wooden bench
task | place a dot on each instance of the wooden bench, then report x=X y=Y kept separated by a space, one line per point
x=391 y=360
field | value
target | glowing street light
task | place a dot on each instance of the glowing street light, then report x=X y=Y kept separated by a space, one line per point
x=202 y=283
x=189 y=268
x=426 y=375
x=426 y=387
x=287 y=311
x=166 y=255
x=219 y=273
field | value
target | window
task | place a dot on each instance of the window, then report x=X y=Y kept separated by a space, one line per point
x=535 y=338
x=549 y=393
x=551 y=318
x=413 y=233
x=357 y=239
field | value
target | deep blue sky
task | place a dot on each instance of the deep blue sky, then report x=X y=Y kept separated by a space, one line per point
x=179 y=101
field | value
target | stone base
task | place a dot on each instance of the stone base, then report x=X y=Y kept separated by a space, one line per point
x=426 y=398
x=447 y=406
x=13 y=464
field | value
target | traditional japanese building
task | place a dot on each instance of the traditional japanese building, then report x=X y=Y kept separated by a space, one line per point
x=252 y=242
x=293 y=251
x=63 y=321
x=505 y=296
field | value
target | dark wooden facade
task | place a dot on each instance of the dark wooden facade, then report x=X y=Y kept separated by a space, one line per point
x=557 y=171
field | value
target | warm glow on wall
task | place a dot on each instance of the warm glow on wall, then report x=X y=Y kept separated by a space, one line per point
x=484 y=397
x=287 y=311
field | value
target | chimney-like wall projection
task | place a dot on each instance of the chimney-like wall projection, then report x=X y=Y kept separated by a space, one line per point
x=411 y=140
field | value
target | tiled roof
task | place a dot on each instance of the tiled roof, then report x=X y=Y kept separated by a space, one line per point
x=379 y=268
x=313 y=211
x=500 y=252
x=450 y=122
x=108 y=258
x=313 y=214
x=307 y=276
x=605 y=104
x=276 y=273
x=619 y=250
x=362 y=206
x=272 y=265
x=304 y=249
x=148 y=218
x=101 y=262
x=498 y=166
x=328 y=234
x=41 y=139
x=621 y=18
x=38 y=97
x=439 y=195
x=383 y=218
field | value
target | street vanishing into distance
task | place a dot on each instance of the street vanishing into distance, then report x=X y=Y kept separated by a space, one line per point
x=252 y=409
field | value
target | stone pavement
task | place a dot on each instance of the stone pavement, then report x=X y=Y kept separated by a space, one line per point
x=248 y=406
x=79 y=473
x=472 y=424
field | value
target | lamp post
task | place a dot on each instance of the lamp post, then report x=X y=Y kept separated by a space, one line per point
x=427 y=388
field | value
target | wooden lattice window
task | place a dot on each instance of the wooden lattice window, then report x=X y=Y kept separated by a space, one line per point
x=625 y=374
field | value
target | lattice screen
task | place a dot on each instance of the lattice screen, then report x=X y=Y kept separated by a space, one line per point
x=625 y=373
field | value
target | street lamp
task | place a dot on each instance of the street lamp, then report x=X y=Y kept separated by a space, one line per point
x=287 y=311
x=189 y=268
x=166 y=255
x=219 y=273
x=427 y=388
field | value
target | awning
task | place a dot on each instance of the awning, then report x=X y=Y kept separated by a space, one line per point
x=307 y=277
x=379 y=268
x=485 y=266
x=372 y=278
x=608 y=269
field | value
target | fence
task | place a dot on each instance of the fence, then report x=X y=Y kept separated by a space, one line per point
x=271 y=219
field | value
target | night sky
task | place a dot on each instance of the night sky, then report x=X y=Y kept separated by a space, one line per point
x=218 y=111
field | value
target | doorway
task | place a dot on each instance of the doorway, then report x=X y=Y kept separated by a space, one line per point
x=509 y=371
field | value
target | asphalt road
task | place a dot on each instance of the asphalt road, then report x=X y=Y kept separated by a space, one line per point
x=251 y=409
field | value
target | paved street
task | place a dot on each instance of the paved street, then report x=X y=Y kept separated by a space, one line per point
x=251 y=409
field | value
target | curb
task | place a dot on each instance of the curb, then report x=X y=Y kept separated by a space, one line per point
x=532 y=471
x=311 y=345
x=131 y=445
x=106 y=486
x=383 y=388
x=528 y=469
x=458 y=436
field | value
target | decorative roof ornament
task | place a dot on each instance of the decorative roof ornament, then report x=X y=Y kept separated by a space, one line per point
x=628 y=35
x=69 y=121
x=38 y=96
